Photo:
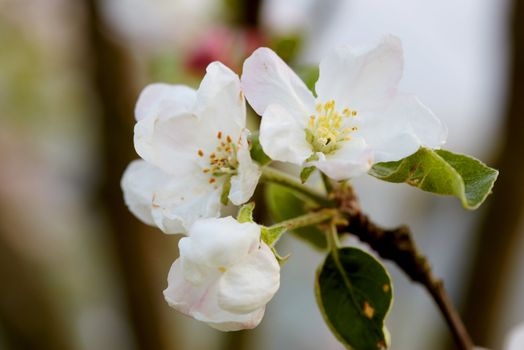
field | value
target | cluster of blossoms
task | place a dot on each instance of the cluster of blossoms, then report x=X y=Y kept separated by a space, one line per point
x=196 y=158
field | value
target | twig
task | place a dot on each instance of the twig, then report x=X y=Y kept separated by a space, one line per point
x=398 y=246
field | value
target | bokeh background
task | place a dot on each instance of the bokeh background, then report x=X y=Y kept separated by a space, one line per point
x=77 y=271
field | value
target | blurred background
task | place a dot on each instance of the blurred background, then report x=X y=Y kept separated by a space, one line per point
x=78 y=271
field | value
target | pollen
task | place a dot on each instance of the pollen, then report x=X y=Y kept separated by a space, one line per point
x=223 y=160
x=327 y=129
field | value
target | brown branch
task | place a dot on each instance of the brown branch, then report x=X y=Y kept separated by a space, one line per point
x=398 y=246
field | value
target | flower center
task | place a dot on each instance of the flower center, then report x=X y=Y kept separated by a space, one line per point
x=327 y=129
x=223 y=161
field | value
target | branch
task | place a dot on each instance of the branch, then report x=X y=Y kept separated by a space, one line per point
x=398 y=246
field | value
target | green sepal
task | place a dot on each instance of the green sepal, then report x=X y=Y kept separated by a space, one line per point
x=245 y=213
x=282 y=260
x=256 y=151
x=306 y=173
x=271 y=235
x=441 y=172
x=354 y=294
x=285 y=204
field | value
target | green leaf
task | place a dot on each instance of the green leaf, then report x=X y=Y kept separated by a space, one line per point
x=306 y=173
x=245 y=213
x=286 y=204
x=257 y=153
x=309 y=75
x=354 y=293
x=441 y=172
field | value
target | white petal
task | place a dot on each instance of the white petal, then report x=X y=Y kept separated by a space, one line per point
x=251 y=283
x=266 y=80
x=157 y=98
x=139 y=182
x=282 y=137
x=400 y=127
x=352 y=160
x=220 y=102
x=244 y=183
x=182 y=201
x=172 y=142
x=219 y=242
x=201 y=302
x=355 y=80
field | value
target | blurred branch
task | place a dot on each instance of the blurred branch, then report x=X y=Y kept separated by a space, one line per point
x=116 y=93
x=398 y=246
x=499 y=230
x=27 y=317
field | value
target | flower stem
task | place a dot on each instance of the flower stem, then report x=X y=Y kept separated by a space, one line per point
x=307 y=219
x=278 y=177
x=332 y=238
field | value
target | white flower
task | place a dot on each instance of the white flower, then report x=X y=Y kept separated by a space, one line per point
x=224 y=276
x=193 y=143
x=357 y=119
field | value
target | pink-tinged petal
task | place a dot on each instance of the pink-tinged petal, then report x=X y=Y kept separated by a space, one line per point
x=399 y=127
x=356 y=80
x=267 y=79
x=282 y=137
x=182 y=201
x=251 y=283
x=220 y=102
x=139 y=183
x=244 y=183
x=159 y=98
x=353 y=159
x=219 y=242
x=201 y=302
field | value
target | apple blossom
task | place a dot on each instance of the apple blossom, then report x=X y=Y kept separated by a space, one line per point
x=224 y=276
x=358 y=118
x=195 y=152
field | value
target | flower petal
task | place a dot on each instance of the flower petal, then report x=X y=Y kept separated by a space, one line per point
x=282 y=137
x=172 y=142
x=355 y=80
x=220 y=103
x=399 y=127
x=157 y=98
x=251 y=283
x=182 y=201
x=219 y=242
x=352 y=160
x=244 y=183
x=201 y=302
x=139 y=182
x=266 y=80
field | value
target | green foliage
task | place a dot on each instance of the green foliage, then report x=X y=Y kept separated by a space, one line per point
x=309 y=75
x=441 y=172
x=257 y=153
x=354 y=293
x=285 y=204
